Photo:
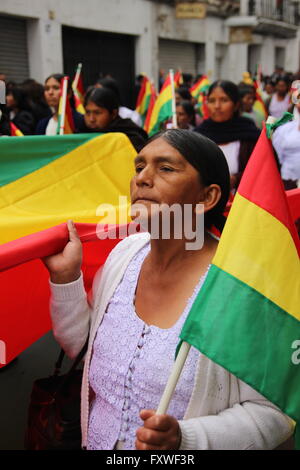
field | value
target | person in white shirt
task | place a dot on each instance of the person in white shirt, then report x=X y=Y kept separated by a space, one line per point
x=280 y=101
x=286 y=141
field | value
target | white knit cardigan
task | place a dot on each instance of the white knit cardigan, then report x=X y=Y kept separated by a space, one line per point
x=223 y=412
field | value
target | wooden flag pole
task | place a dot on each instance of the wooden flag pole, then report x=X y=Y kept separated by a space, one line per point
x=64 y=105
x=174 y=115
x=173 y=379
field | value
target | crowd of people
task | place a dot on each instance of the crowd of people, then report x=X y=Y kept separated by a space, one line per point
x=146 y=289
x=233 y=123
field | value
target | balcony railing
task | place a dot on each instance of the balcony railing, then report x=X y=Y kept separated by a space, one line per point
x=277 y=10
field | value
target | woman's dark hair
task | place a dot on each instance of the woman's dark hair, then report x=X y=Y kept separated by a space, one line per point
x=57 y=76
x=184 y=93
x=228 y=87
x=208 y=159
x=284 y=79
x=189 y=110
x=19 y=96
x=112 y=84
x=102 y=97
x=246 y=90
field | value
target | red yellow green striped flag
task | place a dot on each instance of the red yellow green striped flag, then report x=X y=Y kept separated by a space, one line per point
x=65 y=122
x=78 y=90
x=44 y=181
x=201 y=86
x=144 y=98
x=162 y=109
x=246 y=317
x=178 y=79
x=15 y=131
x=259 y=105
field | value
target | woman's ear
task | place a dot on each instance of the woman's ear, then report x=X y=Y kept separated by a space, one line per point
x=210 y=197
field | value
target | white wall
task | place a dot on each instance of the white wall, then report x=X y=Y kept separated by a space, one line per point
x=133 y=17
x=147 y=22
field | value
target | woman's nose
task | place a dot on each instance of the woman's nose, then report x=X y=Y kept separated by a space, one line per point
x=144 y=177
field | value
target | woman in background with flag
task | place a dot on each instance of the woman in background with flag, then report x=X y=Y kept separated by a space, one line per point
x=49 y=125
x=247 y=96
x=140 y=301
x=235 y=135
x=102 y=115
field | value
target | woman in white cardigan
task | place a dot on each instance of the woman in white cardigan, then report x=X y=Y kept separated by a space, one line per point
x=141 y=298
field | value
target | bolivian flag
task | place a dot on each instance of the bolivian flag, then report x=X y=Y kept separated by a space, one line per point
x=44 y=181
x=15 y=131
x=162 y=109
x=259 y=105
x=246 y=317
x=144 y=98
x=201 y=86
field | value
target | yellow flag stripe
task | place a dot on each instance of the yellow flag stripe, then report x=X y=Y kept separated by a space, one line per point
x=263 y=255
x=71 y=187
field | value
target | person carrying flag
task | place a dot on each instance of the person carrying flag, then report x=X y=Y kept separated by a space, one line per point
x=141 y=299
x=101 y=115
x=48 y=125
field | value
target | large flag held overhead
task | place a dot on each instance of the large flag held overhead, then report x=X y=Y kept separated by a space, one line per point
x=246 y=317
x=44 y=181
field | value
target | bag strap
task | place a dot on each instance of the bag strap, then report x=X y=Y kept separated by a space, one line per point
x=61 y=356
x=69 y=374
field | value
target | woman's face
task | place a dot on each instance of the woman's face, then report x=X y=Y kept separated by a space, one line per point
x=177 y=98
x=52 y=92
x=97 y=117
x=10 y=101
x=248 y=102
x=183 y=119
x=163 y=175
x=269 y=88
x=281 y=88
x=221 y=107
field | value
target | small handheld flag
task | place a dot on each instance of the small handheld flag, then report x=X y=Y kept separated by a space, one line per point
x=65 y=124
x=15 y=131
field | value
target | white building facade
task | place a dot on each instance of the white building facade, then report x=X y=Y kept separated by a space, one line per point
x=128 y=37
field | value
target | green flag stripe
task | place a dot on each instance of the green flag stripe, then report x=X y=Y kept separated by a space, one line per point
x=38 y=152
x=250 y=336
